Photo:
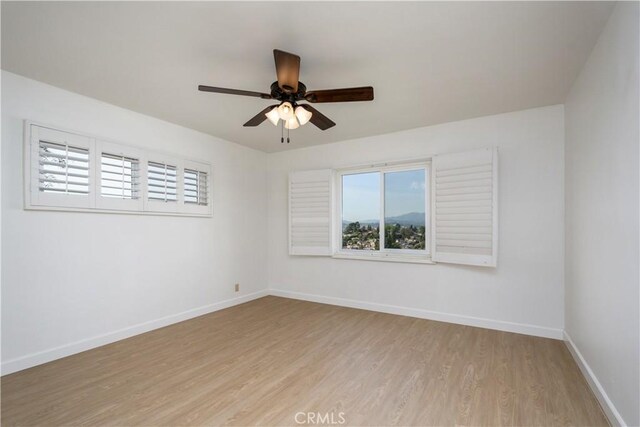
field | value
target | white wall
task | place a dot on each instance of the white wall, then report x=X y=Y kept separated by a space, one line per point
x=69 y=277
x=525 y=292
x=602 y=235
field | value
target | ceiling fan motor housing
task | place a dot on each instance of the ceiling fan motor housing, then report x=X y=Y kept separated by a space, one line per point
x=282 y=96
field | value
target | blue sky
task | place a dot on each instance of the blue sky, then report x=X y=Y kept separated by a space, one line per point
x=404 y=193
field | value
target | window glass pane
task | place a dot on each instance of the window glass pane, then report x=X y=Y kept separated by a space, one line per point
x=404 y=209
x=361 y=211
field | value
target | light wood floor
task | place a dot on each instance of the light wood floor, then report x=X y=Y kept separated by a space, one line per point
x=264 y=361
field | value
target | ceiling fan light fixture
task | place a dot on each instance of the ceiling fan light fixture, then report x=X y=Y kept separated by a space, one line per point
x=303 y=115
x=285 y=111
x=292 y=123
x=273 y=116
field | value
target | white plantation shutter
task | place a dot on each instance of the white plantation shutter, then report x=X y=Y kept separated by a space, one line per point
x=162 y=182
x=61 y=169
x=119 y=183
x=465 y=208
x=163 y=190
x=196 y=188
x=310 y=208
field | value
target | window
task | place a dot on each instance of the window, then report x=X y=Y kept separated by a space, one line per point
x=384 y=211
x=441 y=209
x=361 y=211
x=405 y=210
x=162 y=182
x=58 y=169
x=63 y=169
x=69 y=171
x=195 y=187
x=119 y=177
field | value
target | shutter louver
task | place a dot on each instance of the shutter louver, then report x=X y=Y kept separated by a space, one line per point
x=465 y=208
x=310 y=208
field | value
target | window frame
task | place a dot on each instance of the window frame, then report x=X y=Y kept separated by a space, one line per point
x=33 y=199
x=384 y=254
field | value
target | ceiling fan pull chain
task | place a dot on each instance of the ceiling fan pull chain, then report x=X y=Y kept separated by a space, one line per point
x=288 y=135
x=281 y=132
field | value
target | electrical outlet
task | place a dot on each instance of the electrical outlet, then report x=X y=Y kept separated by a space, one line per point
x=237 y=287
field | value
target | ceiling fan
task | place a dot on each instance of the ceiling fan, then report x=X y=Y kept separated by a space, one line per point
x=289 y=91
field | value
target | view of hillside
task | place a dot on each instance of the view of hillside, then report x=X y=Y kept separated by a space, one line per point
x=403 y=205
x=402 y=232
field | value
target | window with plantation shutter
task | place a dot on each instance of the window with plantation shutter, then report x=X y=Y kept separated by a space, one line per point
x=465 y=205
x=310 y=212
x=61 y=169
x=196 y=188
x=68 y=171
x=119 y=177
x=162 y=181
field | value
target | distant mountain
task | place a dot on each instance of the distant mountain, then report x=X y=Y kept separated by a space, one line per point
x=412 y=218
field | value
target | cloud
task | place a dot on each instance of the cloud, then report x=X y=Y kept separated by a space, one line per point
x=415 y=185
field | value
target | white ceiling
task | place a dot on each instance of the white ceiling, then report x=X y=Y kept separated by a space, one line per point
x=428 y=62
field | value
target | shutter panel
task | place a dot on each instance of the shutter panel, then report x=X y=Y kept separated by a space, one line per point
x=310 y=208
x=162 y=182
x=61 y=169
x=464 y=225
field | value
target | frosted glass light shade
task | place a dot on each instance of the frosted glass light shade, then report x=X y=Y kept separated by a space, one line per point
x=273 y=116
x=292 y=123
x=285 y=111
x=303 y=115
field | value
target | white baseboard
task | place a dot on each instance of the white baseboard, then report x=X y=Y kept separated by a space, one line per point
x=607 y=405
x=41 y=357
x=520 y=328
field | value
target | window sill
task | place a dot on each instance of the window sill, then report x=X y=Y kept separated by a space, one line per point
x=29 y=207
x=385 y=258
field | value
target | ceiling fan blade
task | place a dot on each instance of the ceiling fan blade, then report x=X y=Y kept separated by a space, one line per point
x=287 y=70
x=317 y=118
x=233 y=91
x=260 y=117
x=364 y=93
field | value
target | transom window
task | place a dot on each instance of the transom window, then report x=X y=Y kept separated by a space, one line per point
x=195 y=187
x=385 y=210
x=162 y=182
x=75 y=172
x=120 y=176
x=63 y=169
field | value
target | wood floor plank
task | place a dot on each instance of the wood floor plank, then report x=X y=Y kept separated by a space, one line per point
x=263 y=362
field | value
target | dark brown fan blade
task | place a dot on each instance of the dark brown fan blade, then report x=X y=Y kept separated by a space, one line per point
x=287 y=70
x=233 y=91
x=260 y=117
x=341 y=95
x=317 y=118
